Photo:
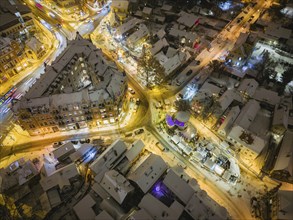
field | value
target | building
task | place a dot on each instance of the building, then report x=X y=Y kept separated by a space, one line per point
x=11 y=58
x=138 y=36
x=285 y=200
x=158 y=210
x=240 y=135
x=68 y=6
x=248 y=87
x=60 y=179
x=248 y=114
x=228 y=121
x=120 y=8
x=117 y=186
x=34 y=49
x=18 y=173
x=127 y=26
x=63 y=151
x=228 y=97
x=108 y=159
x=266 y=96
x=148 y=172
x=280 y=119
x=130 y=157
x=186 y=19
x=283 y=166
x=16 y=19
x=84 y=208
x=81 y=89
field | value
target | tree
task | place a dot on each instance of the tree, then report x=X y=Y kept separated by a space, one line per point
x=217 y=66
x=287 y=77
x=266 y=67
x=182 y=105
x=150 y=69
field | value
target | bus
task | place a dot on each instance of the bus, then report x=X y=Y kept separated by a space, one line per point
x=8 y=96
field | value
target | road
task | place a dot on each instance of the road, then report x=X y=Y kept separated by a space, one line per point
x=145 y=115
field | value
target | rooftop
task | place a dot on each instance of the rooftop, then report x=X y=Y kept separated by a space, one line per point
x=148 y=172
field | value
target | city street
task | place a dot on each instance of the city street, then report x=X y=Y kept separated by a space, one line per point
x=17 y=142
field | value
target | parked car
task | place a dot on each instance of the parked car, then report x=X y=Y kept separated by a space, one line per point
x=139 y=131
x=188 y=72
x=131 y=90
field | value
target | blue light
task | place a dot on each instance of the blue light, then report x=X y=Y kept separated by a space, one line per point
x=158 y=188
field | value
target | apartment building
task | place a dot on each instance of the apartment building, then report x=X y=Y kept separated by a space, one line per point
x=16 y=19
x=81 y=89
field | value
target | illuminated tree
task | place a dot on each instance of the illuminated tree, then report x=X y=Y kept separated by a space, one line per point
x=182 y=105
x=217 y=66
x=150 y=69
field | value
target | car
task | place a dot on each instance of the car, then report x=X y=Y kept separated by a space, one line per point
x=139 y=131
x=197 y=62
x=188 y=72
x=211 y=49
x=182 y=165
x=128 y=134
x=245 y=12
x=178 y=83
x=131 y=91
x=160 y=146
x=250 y=19
x=137 y=101
x=74 y=141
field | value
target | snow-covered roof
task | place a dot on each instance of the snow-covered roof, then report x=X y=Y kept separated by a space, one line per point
x=228 y=97
x=33 y=43
x=175 y=32
x=160 y=44
x=122 y=29
x=116 y=185
x=229 y=120
x=148 y=172
x=264 y=95
x=63 y=150
x=137 y=35
x=141 y=214
x=156 y=209
x=104 y=216
x=120 y=4
x=106 y=160
x=59 y=177
x=187 y=19
x=147 y=10
x=285 y=156
x=178 y=186
x=257 y=144
x=84 y=208
x=281 y=116
x=248 y=86
x=64 y=67
x=277 y=31
x=134 y=150
x=247 y=114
